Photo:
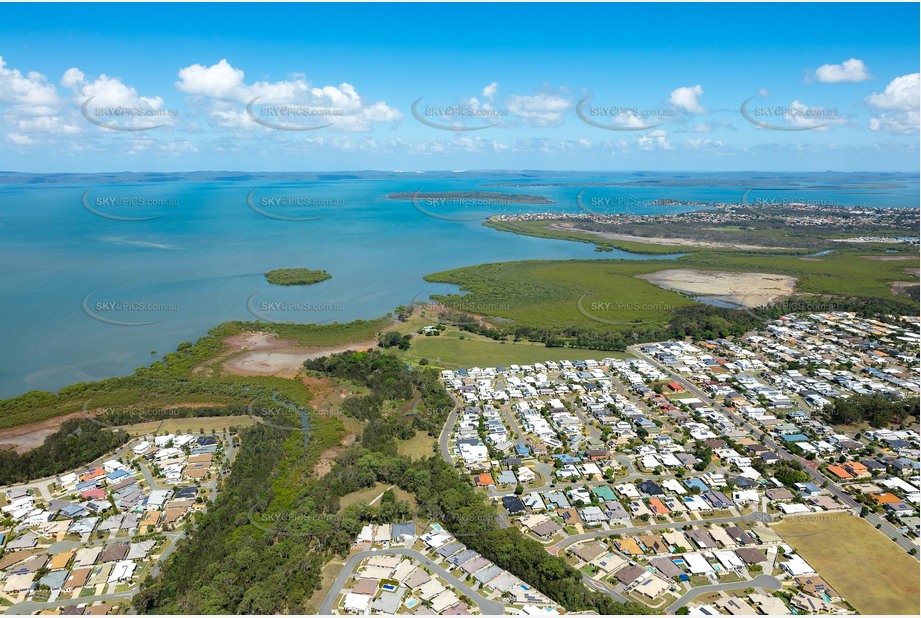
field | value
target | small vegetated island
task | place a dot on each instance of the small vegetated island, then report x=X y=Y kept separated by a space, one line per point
x=491 y=197
x=296 y=276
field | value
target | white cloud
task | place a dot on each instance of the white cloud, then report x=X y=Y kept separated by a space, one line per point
x=701 y=144
x=904 y=122
x=543 y=109
x=20 y=140
x=901 y=100
x=798 y=114
x=685 y=98
x=222 y=83
x=902 y=93
x=702 y=127
x=29 y=93
x=654 y=140
x=489 y=92
x=852 y=70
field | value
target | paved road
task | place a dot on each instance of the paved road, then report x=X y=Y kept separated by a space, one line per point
x=149 y=477
x=885 y=527
x=446 y=432
x=762 y=581
x=603 y=587
x=487 y=607
x=27 y=608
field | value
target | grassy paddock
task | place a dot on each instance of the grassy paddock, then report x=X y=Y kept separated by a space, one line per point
x=418 y=447
x=367 y=495
x=869 y=570
x=450 y=352
x=185 y=425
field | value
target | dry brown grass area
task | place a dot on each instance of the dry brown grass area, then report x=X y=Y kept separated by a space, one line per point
x=870 y=571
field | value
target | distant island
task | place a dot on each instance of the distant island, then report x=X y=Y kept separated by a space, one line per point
x=483 y=196
x=296 y=276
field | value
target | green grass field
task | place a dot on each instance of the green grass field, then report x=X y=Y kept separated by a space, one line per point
x=419 y=446
x=867 y=569
x=449 y=351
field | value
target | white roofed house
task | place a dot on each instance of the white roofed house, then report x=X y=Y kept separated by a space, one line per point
x=525 y=475
x=729 y=560
x=796 y=566
x=68 y=480
x=366 y=535
x=697 y=564
x=122 y=570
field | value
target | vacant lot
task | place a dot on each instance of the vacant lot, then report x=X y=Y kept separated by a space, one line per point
x=418 y=447
x=450 y=351
x=373 y=494
x=871 y=572
x=184 y=425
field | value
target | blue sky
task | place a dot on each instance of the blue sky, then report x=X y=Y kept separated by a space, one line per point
x=830 y=86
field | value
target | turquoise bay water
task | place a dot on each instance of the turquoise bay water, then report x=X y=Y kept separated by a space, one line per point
x=86 y=297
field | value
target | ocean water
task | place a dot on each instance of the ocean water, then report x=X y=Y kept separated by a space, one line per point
x=86 y=295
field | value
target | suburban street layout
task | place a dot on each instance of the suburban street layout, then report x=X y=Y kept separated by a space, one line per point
x=86 y=539
x=701 y=477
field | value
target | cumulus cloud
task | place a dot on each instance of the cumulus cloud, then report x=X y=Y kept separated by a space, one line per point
x=543 y=109
x=223 y=83
x=489 y=92
x=654 y=140
x=852 y=70
x=685 y=98
x=798 y=114
x=902 y=93
x=111 y=92
x=900 y=99
x=30 y=93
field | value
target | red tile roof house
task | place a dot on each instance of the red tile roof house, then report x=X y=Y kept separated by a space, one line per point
x=857 y=469
x=484 y=480
x=93 y=474
x=94 y=494
x=840 y=472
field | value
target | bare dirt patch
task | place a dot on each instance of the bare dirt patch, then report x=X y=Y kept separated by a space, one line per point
x=283 y=358
x=678 y=242
x=890 y=258
x=326 y=394
x=257 y=340
x=27 y=437
x=192 y=406
x=746 y=289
